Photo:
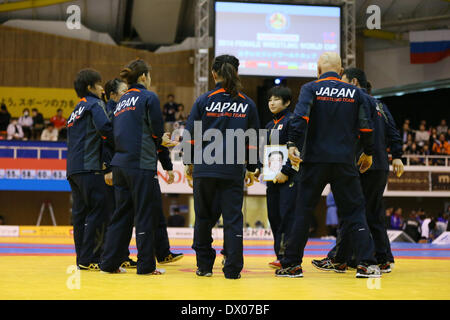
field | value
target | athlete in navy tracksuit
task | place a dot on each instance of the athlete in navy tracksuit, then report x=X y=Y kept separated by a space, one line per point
x=280 y=195
x=327 y=120
x=87 y=126
x=114 y=90
x=222 y=108
x=374 y=180
x=138 y=130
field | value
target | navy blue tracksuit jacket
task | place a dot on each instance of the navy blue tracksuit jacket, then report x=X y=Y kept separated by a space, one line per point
x=162 y=247
x=220 y=185
x=328 y=118
x=215 y=111
x=281 y=196
x=87 y=127
x=374 y=180
x=138 y=129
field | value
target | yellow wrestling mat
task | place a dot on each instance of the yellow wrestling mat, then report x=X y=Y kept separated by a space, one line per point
x=53 y=276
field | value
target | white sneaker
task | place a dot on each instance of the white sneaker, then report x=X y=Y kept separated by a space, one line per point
x=365 y=271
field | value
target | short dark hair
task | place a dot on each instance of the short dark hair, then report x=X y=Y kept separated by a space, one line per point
x=112 y=86
x=170 y=95
x=34 y=109
x=282 y=92
x=358 y=74
x=276 y=152
x=85 y=78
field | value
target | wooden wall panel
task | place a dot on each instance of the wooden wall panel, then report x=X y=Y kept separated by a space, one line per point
x=43 y=60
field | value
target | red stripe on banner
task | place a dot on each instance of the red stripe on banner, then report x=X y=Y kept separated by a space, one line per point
x=429 y=57
x=21 y=163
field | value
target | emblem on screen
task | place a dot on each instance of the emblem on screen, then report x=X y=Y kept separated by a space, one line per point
x=277 y=21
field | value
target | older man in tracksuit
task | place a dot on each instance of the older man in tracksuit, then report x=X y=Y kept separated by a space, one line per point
x=373 y=181
x=328 y=118
x=87 y=127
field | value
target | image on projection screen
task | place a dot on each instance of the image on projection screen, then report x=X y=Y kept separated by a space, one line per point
x=276 y=40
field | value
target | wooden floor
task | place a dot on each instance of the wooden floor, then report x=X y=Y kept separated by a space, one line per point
x=42 y=268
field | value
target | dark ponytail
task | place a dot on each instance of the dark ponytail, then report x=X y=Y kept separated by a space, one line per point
x=134 y=70
x=111 y=87
x=226 y=67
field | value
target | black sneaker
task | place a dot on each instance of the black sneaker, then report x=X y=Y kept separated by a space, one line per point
x=233 y=277
x=368 y=271
x=385 y=267
x=290 y=272
x=202 y=273
x=327 y=264
x=129 y=264
x=90 y=267
x=172 y=257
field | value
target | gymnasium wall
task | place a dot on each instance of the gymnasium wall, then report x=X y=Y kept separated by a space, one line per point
x=35 y=59
x=391 y=67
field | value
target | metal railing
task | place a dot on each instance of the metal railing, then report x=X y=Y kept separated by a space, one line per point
x=429 y=160
x=38 y=150
x=410 y=159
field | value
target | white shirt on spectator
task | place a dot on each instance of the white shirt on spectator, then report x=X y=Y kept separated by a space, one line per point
x=26 y=121
x=48 y=135
x=441 y=129
x=425 y=229
x=14 y=131
x=422 y=136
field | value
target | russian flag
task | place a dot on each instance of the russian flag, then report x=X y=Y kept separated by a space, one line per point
x=429 y=46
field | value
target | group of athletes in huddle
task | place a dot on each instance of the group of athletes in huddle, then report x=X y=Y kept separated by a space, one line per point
x=336 y=130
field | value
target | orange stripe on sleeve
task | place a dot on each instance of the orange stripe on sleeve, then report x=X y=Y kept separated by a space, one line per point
x=306 y=118
x=366 y=130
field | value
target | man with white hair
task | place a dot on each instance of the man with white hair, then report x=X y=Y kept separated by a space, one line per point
x=323 y=134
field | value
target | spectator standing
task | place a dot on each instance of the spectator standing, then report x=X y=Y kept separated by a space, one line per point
x=14 y=130
x=169 y=111
x=2 y=221
x=38 y=123
x=412 y=227
x=397 y=220
x=50 y=133
x=387 y=221
x=60 y=123
x=442 y=128
x=5 y=117
x=442 y=222
x=26 y=121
